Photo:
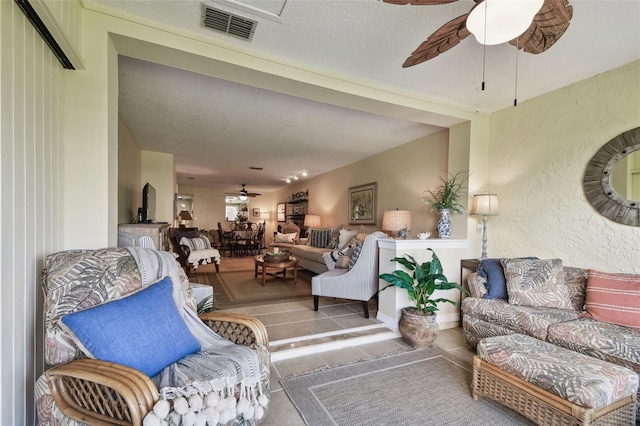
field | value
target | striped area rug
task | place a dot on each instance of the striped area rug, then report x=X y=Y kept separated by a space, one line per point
x=420 y=387
x=236 y=285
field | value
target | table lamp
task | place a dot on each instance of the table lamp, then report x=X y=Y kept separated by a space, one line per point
x=183 y=216
x=484 y=205
x=398 y=222
x=311 y=221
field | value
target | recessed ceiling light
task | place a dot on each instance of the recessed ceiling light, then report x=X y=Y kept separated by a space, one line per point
x=288 y=180
x=295 y=178
x=304 y=174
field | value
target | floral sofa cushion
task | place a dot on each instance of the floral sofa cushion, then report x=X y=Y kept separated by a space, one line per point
x=538 y=282
x=529 y=320
x=599 y=339
x=475 y=330
x=577 y=378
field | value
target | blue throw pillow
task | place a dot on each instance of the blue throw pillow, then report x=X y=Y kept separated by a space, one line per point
x=496 y=283
x=144 y=330
x=491 y=270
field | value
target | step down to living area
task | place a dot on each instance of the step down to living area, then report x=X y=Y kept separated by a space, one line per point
x=315 y=343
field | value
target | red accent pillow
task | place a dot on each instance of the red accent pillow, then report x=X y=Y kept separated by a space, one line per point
x=614 y=298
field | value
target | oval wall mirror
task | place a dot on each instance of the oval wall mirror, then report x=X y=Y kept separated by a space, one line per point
x=602 y=171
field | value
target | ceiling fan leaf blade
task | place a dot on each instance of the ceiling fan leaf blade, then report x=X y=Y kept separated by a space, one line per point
x=549 y=24
x=419 y=2
x=443 y=39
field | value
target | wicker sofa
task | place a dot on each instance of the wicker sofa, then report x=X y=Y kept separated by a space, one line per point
x=568 y=326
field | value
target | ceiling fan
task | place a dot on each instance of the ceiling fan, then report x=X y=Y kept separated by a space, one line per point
x=548 y=25
x=244 y=194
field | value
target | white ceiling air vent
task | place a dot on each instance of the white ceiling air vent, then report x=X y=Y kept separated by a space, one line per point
x=228 y=23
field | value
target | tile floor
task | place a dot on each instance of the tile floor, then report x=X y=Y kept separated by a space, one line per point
x=292 y=321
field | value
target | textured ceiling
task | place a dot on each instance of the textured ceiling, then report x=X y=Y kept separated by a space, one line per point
x=218 y=129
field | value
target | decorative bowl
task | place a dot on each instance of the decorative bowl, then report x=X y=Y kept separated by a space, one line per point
x=424 y=235
x=276 y=257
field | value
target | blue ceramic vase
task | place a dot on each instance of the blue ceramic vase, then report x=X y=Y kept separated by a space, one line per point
x=444 y=224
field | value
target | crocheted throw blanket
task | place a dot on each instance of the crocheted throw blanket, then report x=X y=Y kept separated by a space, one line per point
x=217 y=384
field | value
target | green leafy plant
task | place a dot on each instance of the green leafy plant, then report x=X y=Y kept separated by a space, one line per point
x=205 y=305
x=449 y=194
x=425 y=280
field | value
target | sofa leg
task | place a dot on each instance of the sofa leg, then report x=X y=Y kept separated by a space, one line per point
x=365 y=307
x=316 y=300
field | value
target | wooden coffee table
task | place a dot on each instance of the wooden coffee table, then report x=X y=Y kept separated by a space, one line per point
x=281 y=267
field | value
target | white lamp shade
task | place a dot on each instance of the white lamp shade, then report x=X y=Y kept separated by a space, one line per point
x=312 y=221
x=485 y=205
x=505 y=19
x=395 y=220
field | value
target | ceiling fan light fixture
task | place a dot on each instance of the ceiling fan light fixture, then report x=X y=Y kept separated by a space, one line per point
x=505 y=19
x=242 y=197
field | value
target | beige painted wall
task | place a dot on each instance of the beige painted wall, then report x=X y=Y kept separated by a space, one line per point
x=402 y=174
x=538 y=155
x=129 y=164
x=158 y=169
x=209 y=207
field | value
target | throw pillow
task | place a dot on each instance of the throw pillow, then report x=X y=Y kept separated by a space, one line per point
x=576 y=280
x=335 y=238
x=319 y=237
x=492 y=272
x=331 y=257
x=355 y=253
x=345 y=237
x=538 y=283
x=285 y=238
x=343 y=262
x=614 y=298
x=200 y=243
x=143 y=330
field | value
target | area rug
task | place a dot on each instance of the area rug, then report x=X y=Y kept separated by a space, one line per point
x=421 y=387
x=234 y=288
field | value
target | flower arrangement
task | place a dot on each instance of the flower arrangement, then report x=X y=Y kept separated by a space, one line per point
x=448 y=195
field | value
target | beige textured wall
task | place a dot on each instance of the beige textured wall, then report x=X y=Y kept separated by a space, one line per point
x=402 y=174
x=129 y=164
x=538 y=154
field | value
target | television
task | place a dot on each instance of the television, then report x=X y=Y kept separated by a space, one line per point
x=148 y=203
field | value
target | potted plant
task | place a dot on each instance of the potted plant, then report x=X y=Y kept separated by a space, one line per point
x=445 y=199
x=417 y=323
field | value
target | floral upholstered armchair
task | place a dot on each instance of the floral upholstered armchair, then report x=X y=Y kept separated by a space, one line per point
x=128 y=347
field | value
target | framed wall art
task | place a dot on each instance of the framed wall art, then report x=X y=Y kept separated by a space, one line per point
x=281 y=212
x=255 y=212
x=363 y=204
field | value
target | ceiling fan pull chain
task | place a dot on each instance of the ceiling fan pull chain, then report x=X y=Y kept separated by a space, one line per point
x=484 y=45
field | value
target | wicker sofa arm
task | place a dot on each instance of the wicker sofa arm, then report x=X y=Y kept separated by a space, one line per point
x=240 y=329
x=99 y=392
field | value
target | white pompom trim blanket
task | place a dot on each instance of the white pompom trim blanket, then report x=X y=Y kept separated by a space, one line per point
x=213 y=386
